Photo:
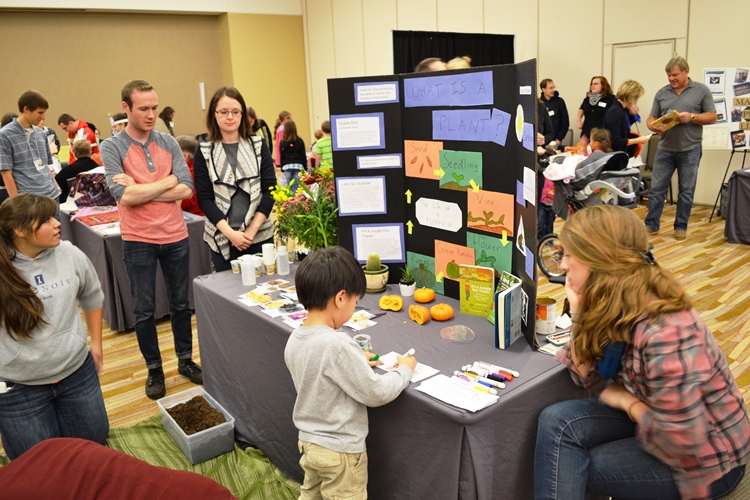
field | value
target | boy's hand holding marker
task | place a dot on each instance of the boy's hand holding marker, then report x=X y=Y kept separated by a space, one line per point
x=408 y=359
x=372 y=359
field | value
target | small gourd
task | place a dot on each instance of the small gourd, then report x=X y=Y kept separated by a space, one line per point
x=441 y=312
x=420 y=314
x=391 y=303
x=424 y=295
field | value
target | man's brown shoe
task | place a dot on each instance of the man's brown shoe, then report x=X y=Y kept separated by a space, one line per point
x=680 y=234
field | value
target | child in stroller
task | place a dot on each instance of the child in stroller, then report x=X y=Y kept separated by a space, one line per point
x=601 y=178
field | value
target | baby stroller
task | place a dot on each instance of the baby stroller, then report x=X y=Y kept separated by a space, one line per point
x=601 y=178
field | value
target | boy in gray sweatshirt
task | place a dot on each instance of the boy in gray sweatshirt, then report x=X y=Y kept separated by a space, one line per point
x=333 y=377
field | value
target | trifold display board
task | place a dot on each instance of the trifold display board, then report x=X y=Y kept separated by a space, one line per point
x=435 y=170
x=731 y=90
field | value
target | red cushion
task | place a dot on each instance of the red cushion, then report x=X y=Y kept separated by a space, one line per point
x=77 y=469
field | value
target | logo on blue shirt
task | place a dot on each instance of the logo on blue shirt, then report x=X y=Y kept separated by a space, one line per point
x=39 y=279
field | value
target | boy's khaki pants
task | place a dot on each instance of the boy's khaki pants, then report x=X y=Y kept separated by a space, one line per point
x=330 y=474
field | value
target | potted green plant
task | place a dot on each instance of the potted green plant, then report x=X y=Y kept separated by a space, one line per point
x=376 y=274
x=407 y=284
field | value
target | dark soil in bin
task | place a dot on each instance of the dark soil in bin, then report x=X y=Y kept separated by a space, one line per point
x=196 y=415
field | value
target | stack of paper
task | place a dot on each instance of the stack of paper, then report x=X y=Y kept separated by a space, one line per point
x=421 y=371
x=443 y=388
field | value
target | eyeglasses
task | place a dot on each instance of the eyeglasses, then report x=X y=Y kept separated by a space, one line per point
x=225 y=112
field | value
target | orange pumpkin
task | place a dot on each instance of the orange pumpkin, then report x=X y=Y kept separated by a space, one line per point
x=441 y=312
x=424 y=295
x=391 y=303
x=420 y=314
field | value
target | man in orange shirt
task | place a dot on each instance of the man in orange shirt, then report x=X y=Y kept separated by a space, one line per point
x=147 y=175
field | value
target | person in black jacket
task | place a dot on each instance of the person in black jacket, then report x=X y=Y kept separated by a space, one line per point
x=293 y=155
x=618 y=117
x=558 y=111
x=598 y=100
x=82 y=152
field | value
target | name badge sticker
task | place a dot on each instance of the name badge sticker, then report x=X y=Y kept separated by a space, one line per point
x=552 y=112
x=602 y=104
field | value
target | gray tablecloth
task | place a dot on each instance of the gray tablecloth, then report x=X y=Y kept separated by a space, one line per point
x=737 y=227
x=418 y=447
x=105 y=253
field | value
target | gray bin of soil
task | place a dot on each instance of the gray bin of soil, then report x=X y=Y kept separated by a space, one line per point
x=202 y=445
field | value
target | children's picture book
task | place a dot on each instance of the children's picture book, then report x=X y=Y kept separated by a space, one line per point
x=477 y=285
x=506 y=311
x=669 y=120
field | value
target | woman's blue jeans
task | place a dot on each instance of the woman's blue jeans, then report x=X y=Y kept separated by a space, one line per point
x=585 y=446
x=290 y=177
x=73 y=407
x=140 y=263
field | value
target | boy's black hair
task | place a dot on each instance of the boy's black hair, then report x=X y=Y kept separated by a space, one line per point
x=326 y=272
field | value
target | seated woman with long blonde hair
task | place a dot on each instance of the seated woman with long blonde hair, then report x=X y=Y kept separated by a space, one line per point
x=669 y=421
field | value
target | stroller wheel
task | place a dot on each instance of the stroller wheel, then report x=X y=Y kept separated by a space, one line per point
x=550 y=254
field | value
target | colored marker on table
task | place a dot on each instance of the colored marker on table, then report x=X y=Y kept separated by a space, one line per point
x=500 y=368
x=504 y=375
x=479 y=387
x=493 y=383
x=486 y=373
x=410 y=352
x=375 y=358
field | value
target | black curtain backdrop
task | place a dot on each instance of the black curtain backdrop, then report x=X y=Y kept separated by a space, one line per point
x=410 y=47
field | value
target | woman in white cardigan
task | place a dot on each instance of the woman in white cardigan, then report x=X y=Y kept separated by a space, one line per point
x=234 y=173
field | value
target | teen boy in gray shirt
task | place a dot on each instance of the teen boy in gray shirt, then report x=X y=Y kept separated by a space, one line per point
x=333 y=377
x=25 y=158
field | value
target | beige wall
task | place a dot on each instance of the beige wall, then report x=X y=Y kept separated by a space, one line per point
x=80 y=61
x=173 y=52
x=572 y=40
x=264 y=58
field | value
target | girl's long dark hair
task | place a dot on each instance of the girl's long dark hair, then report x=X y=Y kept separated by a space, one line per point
x=21 y=311
x=290 y=131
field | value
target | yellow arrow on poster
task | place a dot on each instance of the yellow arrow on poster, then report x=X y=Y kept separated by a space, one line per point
x=439 y=172
x=410 y=225
x=439 y=277
x=408 y=196
x=504 y=239
x=474 y=185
